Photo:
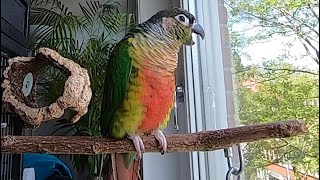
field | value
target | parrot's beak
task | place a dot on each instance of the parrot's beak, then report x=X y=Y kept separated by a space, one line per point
x=197 y=28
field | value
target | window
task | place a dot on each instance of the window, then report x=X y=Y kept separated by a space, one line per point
x=272 y=177
x=205 y=77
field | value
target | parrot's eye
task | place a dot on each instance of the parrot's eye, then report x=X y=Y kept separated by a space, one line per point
x=182 y=19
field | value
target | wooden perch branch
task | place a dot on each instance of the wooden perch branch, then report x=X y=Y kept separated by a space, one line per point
x=200 y=141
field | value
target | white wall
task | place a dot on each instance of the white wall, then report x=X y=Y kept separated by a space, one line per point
x=147 y=8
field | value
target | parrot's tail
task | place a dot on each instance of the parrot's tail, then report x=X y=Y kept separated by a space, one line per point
x=117 y=168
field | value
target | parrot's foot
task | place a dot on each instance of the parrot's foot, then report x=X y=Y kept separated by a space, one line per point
x=138 y=144
x=158 y=134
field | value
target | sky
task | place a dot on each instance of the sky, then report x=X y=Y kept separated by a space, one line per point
x=274 y=48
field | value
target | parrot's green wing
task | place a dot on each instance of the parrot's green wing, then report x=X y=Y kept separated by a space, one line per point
x=116 y=83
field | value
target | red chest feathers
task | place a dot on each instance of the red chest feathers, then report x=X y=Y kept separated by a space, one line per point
x=157 y=98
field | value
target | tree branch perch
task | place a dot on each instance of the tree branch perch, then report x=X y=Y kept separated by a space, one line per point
x=200 y=141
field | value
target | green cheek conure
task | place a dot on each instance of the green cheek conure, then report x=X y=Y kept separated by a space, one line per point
x=140 y=79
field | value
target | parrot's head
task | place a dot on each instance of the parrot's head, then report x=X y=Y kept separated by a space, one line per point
x=179 y=24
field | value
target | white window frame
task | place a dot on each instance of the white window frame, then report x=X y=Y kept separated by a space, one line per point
x=205 y=88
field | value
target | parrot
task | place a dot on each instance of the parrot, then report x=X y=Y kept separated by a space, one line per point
x=139 y=85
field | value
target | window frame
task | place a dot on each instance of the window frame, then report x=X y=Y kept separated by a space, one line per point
x=206 y=100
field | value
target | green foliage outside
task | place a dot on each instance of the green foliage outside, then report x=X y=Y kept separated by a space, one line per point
x=86 y=39
x=282 y=90
x=286 y=96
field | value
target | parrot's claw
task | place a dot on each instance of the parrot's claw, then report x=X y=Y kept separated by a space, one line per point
x=138 y=144
x=158 y=134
